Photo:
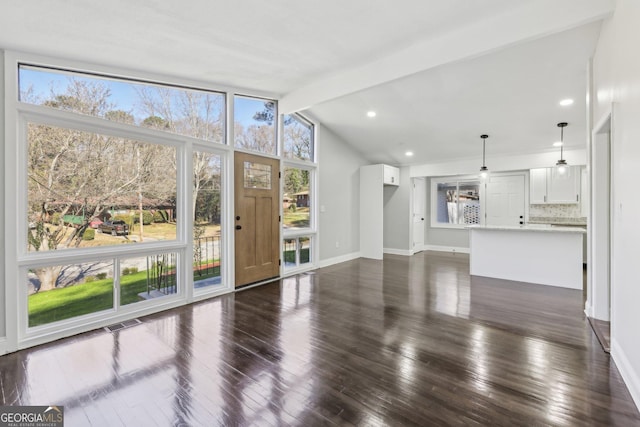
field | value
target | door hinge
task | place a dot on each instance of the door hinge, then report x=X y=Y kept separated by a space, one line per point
x=279 y=174
x=279 y=262
x=279 y=218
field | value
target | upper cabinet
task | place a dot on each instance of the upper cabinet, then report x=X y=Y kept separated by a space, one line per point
x=390 y=175
x=545 y=186
x=538 y=186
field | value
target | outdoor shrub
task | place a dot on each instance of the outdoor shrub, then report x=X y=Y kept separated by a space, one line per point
x=126 y=271
x=133 y=270
x=101 y=276
x=55 y=218
x=89 y=279
x=147 y=217
x=292 y=207
x=89 y=234
x=160 y=216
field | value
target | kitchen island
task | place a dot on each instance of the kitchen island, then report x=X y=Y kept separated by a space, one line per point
x=546 y=255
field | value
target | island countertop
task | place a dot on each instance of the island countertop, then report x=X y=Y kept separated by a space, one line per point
x=539 y=254
x=545 y=228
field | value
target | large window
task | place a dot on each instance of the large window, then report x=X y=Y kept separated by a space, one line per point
x=207 y=215
x=196 y=113
x=455 y=202
x=297 y=198
x=297 y=138
x=102 y=226
x=87 y=189
x=254 y=124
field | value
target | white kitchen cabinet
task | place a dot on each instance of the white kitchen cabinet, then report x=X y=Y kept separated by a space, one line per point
x=546 y=187
x=538 y=186
x=372 y=182
x=390 y=175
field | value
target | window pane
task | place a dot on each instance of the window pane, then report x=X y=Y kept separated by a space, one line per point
x=58 y=292
x=469 y=202
x=254 y=124
x=297 y=138
x=86 y=189
x=196 y=113
x=257 y=175
x=458 y=202
x=447 y=203
x=296 y=198
x=305 y=250
x=289 y=252
x=207 y=212
x=147 y=278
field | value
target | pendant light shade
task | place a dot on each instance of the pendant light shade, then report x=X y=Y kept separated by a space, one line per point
x=484 y=170
x=561 y=165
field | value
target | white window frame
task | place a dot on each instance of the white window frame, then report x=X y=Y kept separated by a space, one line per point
x=434 y=198
x=17 y=115
x=313 y=230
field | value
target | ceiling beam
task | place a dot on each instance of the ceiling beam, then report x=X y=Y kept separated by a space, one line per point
x=530 y=21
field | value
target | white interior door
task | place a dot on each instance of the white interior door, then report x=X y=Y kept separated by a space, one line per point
x=505 y=200
x=419 y=210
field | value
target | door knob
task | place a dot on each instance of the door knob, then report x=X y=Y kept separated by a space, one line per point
x=238 y=227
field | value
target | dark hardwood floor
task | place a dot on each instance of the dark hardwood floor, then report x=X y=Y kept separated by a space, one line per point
x=406 y=341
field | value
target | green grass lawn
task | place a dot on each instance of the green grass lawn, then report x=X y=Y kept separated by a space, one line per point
x=298 y=218
x=85 y=298
x=290 y=256
x=65 y=303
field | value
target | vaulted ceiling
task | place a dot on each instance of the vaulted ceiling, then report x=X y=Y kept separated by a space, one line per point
x=437 y=73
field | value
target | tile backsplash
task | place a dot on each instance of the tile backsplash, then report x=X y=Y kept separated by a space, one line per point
x=556 y=214
x=556 y=211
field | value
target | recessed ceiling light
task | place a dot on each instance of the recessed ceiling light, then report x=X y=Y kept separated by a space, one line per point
x=557 y=144
x=566 y=102
x=371 y=113
x=409 y=153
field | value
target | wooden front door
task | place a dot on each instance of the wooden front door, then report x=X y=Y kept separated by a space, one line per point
x=257 y=221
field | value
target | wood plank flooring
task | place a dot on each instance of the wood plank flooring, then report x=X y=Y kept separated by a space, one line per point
x=408 y=341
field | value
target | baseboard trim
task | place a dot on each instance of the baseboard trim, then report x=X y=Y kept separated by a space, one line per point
x=3 y=346
x=629 y=375
x=392 y=251
x=439 y=248
x=337 y=260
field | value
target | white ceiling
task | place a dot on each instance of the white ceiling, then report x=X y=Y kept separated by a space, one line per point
x=439 y=73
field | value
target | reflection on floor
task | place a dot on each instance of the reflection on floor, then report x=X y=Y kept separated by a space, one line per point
x=408 y=341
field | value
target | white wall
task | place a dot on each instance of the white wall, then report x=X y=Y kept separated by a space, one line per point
x=616 y=72
x=339 y=194
x=397 y=215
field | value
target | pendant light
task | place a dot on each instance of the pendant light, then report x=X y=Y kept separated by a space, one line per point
x=561 y=165
x=484 y=171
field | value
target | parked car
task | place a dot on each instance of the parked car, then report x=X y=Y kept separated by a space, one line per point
x=116 y=228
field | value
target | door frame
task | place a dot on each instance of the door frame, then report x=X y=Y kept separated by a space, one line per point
x=600 y=304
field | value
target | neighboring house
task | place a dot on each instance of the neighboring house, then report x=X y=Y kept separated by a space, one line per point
x=302 y=199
